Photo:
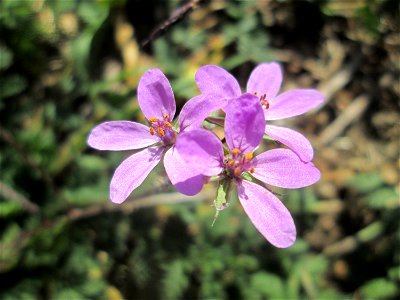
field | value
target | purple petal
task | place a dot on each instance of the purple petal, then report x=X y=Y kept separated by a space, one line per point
x=183 y=176
x=244 y=123
x=132 y=172
x=293 y=103
x=195 y=111
x=266 y=79
x=268 y=214
x=155 y=95
x=283 y=168
x=121 y=135
x=202 y=150
x=294 y=140
x=217 y=81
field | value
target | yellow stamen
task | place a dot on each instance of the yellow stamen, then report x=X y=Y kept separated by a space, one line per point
x=166 y=116
x=152 y=120
x=235 y=151
x=152 y=131
x=161 y=131
x=237 y=172
x=231 y=162
x=168 y=124
x=251 y=170
x=249 y=156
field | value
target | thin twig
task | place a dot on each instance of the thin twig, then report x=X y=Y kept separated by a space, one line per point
x=216 y=121
x=351 y=243
x=338 y=81
x=353 y=112
x=127 y=208
x=175 y=16
x=12 y=195
x=130 y=205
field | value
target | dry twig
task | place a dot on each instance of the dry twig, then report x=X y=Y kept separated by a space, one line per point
x=176 y=16
x=130 y=205
x=353 y=112
x=12 y=195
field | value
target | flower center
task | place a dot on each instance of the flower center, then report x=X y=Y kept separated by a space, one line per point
x=163 y=129
x=237 y=163
x=263 y=100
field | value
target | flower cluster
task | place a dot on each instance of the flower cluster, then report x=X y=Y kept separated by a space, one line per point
x=193 y=154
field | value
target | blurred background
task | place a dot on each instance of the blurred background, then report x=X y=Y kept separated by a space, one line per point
x=66 y=66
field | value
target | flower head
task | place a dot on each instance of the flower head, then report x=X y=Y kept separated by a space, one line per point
x=244 y=129
x=157 y=103
x=265 y=82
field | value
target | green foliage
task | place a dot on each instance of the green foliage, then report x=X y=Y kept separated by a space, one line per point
x=12 y=85
x=366 y=182
x=266 y=286
x=384 y=197
x=378 y=195
x=6 y=58
x=379 y=288
x=175 y=280
x=62 y=72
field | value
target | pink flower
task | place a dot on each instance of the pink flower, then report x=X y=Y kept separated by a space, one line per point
x=156 y=99
x=265 y=82
x=244 y=129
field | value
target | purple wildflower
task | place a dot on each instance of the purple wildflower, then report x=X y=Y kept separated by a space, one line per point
x=156 y=99
x=265 y=82
x=244 y=129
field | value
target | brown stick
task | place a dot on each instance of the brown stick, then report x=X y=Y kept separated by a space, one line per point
x=130 y=205
x=175 y=16
x=353 y=112
x=12 y=195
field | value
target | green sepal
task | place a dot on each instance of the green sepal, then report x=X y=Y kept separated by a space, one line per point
x=247 y=176
x=268 y=138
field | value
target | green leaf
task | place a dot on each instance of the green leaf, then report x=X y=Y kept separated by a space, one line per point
x=9 y=254
x=86 y=195
x=370 y=232
x=301 y=246
x=175 y=281
x=92 y=163
x=379 y=288
x=6 y=58
x=266 y=285
x=383 y=198
x=394 y=273
x=366 y=182
x=11 y=86
x=8 y=209
x=68 y=293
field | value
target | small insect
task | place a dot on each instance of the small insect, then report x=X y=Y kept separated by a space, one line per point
x=222 y=199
